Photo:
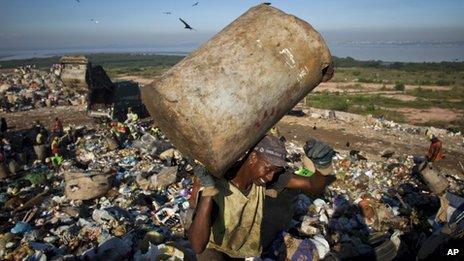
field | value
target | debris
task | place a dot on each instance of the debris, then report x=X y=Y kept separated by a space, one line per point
x=164 y=178
x=387 y=153
x=21 y=228
x=436 y=183
x=85 y=186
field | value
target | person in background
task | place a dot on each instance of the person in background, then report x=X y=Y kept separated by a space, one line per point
x=58 y=127
x=3 y=126
x=55 y=146
x=435 y=152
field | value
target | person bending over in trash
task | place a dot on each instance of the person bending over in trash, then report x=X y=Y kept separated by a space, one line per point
x=229 y=212
x=58 y=127
x=435 y=152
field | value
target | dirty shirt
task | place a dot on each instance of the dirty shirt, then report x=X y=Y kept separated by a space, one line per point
x=237 y=234
x=435 y=151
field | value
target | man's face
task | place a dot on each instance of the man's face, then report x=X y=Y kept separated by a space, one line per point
x=263 y=172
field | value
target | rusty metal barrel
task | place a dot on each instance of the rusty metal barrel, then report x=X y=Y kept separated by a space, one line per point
x=221 y=99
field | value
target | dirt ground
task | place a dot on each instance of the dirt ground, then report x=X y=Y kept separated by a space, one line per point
x=369 y=87
x=141 y=80
x=401 y=97
x=417 y=116
x=75 y=115
x=369 y=141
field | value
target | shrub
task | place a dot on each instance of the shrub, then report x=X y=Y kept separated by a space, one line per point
x=444 y=82
x=399 y=86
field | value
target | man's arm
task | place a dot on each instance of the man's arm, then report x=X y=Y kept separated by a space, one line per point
x=202 y=200
x=200 y=228
x=313 y=185
x=318 y=155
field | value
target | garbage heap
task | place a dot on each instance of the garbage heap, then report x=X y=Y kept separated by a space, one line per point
x=103 y=202
x=128 y=199
x=374 y=209
x=30 y=88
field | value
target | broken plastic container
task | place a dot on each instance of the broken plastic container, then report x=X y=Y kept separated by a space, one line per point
x=222 y=98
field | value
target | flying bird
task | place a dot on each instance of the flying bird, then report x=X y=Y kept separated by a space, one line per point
x=167 y=13
x=196 y=3
x=187 y=26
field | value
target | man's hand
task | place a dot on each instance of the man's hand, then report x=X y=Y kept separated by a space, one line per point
x=319 y=152
x=206 y=180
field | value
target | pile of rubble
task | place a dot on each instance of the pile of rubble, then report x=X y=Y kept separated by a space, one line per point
x=104 y=202
x=374 y=209
x=29 y=88
x=128 y=199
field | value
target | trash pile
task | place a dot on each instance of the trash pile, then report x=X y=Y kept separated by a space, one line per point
x=375 y=210
x=29 y=88
x=120 y=194
x=114 y=199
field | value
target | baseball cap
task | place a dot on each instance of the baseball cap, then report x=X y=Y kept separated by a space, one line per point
x=273 y=150
x=309 y=164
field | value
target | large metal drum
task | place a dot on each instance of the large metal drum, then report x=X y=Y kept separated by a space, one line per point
x=221 y=99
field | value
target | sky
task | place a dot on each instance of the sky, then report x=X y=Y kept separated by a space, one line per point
x=26 y=24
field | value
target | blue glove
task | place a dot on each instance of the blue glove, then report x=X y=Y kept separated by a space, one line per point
x=319 y=152
x=206 y=180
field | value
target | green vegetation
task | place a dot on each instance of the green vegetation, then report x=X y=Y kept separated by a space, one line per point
x=455 y=93
x=399 y=86
x=378 y=105
x=346 y=101
x=364 y=104
x=114 y=64
x=349 y=62
x=391 y=76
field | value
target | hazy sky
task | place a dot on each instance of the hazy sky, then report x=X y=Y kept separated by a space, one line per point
x=67 y=23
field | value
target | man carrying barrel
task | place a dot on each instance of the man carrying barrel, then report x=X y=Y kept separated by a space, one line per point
x=229 y=212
